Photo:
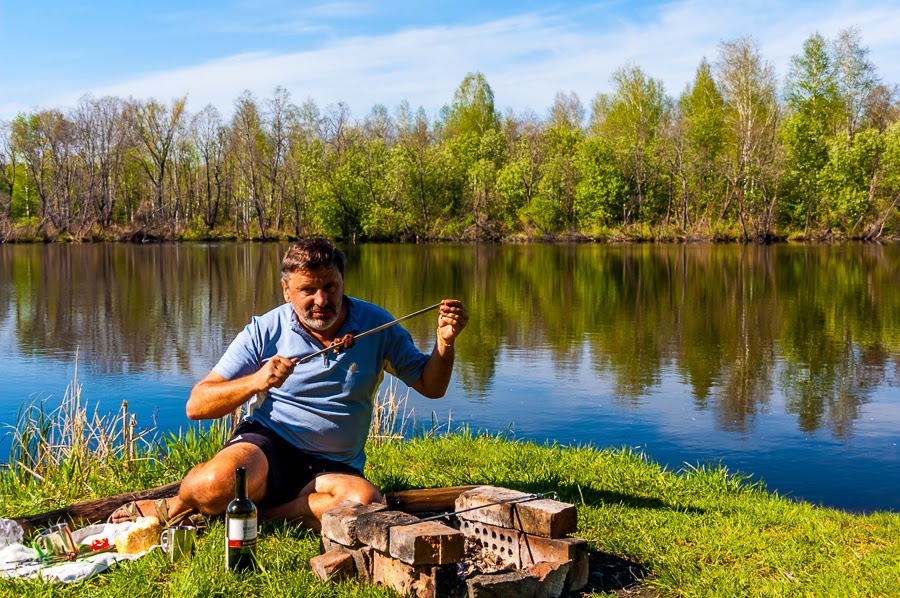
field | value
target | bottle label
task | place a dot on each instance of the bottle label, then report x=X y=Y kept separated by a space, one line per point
x=241 y=532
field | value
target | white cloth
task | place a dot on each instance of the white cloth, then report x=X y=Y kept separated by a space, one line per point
x=18 y=560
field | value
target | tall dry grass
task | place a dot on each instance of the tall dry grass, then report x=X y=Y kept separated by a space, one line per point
x=70 y=438
x=392 y=418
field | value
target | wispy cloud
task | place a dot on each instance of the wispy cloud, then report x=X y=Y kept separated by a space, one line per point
x=526 y=58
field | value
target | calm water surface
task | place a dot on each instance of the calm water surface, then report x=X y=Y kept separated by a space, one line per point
x=780 y=362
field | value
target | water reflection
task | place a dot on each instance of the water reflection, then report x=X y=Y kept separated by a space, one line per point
x=737 y=323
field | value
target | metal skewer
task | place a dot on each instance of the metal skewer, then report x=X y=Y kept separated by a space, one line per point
x=519 y=500
x=356 y=337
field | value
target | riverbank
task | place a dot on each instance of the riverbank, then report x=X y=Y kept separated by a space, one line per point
x=652 y=532
x=634 y=233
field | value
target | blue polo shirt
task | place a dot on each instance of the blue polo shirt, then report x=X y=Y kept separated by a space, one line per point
x=325 y=406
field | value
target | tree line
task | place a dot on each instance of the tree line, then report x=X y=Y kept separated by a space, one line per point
x=734 y=156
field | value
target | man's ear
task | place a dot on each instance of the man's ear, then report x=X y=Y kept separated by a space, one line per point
x=284 y=291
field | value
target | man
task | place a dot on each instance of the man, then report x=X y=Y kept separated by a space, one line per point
x=303 y=445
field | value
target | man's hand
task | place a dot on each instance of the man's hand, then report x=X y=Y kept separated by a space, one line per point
x=452 y=319
x=275 y=372
x=346 y=342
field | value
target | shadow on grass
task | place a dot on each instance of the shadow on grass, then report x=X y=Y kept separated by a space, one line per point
x=612 y=574
x=577 y=495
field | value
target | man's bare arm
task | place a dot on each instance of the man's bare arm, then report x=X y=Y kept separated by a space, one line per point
x=436 y=374
x=215 y=396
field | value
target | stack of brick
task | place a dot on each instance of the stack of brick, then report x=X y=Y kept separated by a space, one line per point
x=531 y=537
x=422 y=558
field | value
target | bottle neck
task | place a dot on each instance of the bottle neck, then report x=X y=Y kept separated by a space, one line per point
x=240 y=482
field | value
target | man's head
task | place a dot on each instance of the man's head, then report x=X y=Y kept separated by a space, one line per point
x=310 y=255
x=312 y=279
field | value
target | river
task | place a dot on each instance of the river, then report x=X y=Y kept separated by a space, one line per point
x=776 y=361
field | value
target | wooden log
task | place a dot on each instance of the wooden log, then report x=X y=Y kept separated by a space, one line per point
x=425 y=500
x=93 y=511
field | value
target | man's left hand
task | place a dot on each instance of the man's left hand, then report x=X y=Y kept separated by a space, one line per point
x=452 y=319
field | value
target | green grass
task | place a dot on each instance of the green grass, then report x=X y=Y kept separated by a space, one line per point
x=697 y=532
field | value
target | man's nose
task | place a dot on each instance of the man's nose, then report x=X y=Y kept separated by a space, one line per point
x=321 y=297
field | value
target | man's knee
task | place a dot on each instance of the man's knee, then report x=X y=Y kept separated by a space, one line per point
x=363 y=493
x=342 y=486
x=210 y=486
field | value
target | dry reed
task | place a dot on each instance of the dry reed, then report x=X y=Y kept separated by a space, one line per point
x=68 y=437
x=391 y=415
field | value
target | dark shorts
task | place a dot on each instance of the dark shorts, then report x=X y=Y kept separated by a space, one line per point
x=290 y=469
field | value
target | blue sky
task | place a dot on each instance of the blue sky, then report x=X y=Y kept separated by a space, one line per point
x=367 y=53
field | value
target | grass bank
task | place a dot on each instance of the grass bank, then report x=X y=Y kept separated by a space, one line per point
x=696 y=532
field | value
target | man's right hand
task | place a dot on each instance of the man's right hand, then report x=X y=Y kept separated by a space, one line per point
x=214 y=396
x=275 y=372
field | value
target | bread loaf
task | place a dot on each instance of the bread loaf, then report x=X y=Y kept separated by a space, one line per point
x=143 y=534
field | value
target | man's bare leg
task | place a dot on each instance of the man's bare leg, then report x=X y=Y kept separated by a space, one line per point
x=209 y=487
x=326 y=491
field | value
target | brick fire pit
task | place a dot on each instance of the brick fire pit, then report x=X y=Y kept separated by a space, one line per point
x=529 y=541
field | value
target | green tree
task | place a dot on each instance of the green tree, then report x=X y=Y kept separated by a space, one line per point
x=472 y=111
x=520 y=176
x=631 y=120
x=701 y=111
x=601 y=192
x=751 y=116
x=856 y=78
x=154 y=127
x=812 y=99
x=562 y=137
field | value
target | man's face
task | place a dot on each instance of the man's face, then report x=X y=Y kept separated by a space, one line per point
x=316 y=296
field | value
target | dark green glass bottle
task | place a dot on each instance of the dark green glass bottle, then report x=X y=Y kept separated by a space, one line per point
x=240 y=527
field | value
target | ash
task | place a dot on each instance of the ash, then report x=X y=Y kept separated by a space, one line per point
x=479 y=561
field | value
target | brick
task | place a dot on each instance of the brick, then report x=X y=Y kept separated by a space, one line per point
x=578 y=574
x=551 y=578
x=362 y=557
x=513 y=584
x=534 y=549
x=543 y=517
x=500 y=541
x=427 y=543
x=500 y=515
x=339 y=523
x=425 y=581
x=374 y=528
x=548 y=518
x=332 y=566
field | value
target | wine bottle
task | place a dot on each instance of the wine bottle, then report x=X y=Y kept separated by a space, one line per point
x=240 y=527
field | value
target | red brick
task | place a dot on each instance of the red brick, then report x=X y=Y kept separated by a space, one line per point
x=551 y=578
x=362 y=558
x=374 y=528
x=500 y=541
x=427 y=543
x=425 y=581
x=578 y=574
x=548 y=518
x=534 y=549
x=543 y=517
x=500 y=515
x=339 y=523
x=513 y=584
x=332 y=566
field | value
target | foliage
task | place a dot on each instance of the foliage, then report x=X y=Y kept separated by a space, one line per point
x=733 y=153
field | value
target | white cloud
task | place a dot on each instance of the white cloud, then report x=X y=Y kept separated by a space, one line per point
x=526 y=58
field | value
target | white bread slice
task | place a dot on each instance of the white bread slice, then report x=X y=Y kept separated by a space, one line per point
x=143 y=534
